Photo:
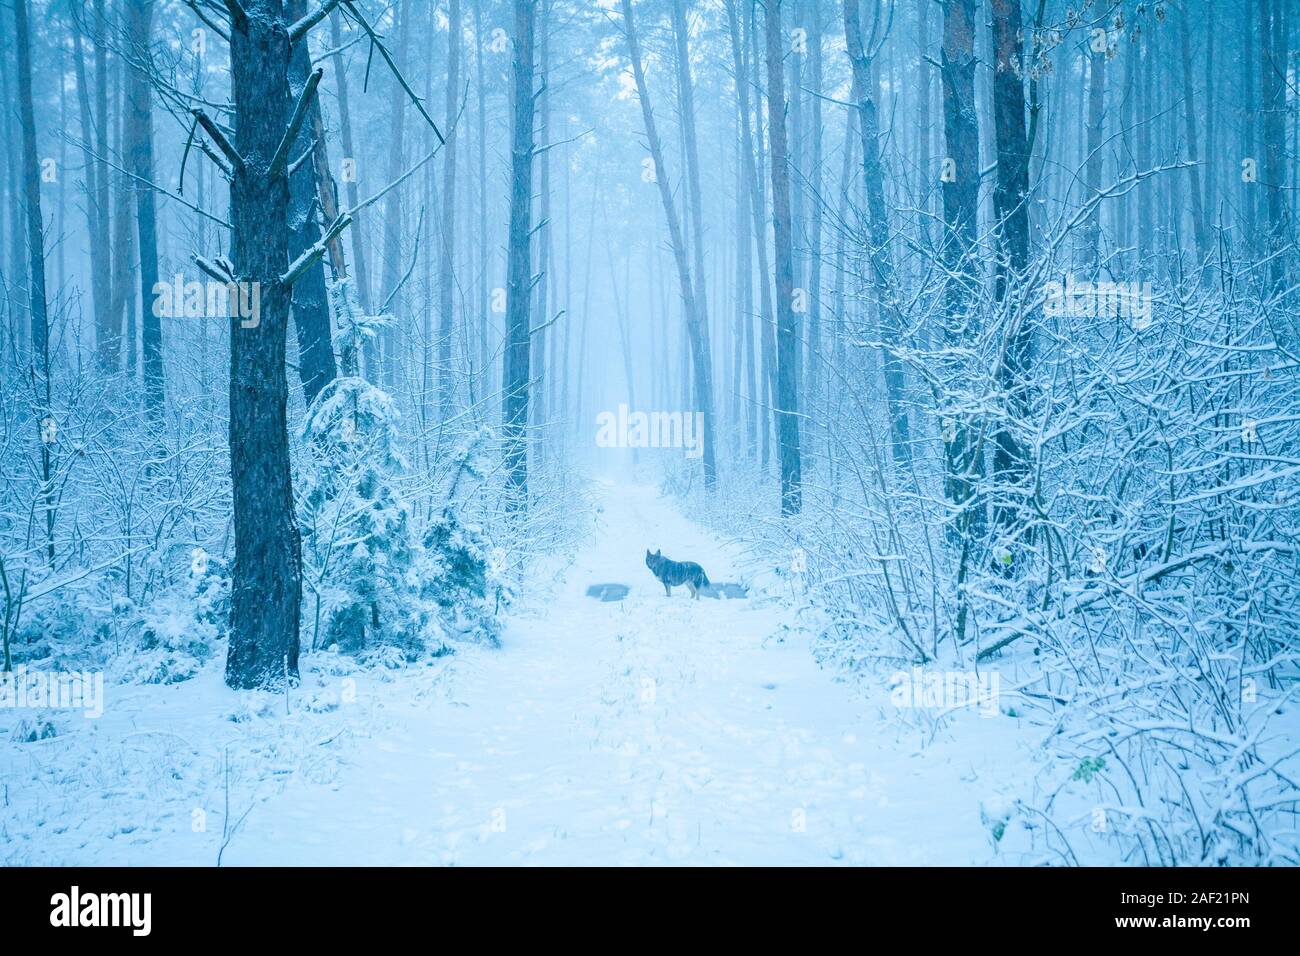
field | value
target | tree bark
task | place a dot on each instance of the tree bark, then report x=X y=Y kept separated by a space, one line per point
x=690 y=142
x=359 y=248
x=761 y=396
x=878 y=222
x=961 y=218
x=40 y=326
x=696 y=331
x=447 y=249
x=266 y=585
x=383 y=354
x=1272 y=65
x=515 y=374
x=787 y=340
x=484 y=322
x=812 y=376
x=310 y=300
x=140 y=104
x=1093 y=162
x=94 y=131
x=1200 y=232
x=1010 y=202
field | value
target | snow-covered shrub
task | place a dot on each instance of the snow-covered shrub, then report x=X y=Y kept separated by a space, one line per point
x=179 y=631
x=374 y=580
x=458 y=575
x=356 y=527
x=69 y=627
x=33 y=729
x=1140 y=576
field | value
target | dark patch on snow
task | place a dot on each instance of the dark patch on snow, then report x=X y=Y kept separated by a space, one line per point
x=732 y=592
x=608 y=592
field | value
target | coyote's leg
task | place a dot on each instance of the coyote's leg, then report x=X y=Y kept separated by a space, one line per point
x=667 y=590
x=695 y=592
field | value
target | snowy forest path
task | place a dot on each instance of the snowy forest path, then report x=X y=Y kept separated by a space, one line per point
x=648 y=730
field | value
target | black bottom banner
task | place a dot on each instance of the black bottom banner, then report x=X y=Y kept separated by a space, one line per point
x=332 y=906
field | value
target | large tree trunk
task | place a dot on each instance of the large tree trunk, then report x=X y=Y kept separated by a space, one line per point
x=122 y=298
x=484 y=322
x=112 y=324
x=686 y=95
x=360 y=255
x=311 y=310
x=1092 y=169
x=1200 y=231
x=12 y=214
x=1273 y=72
x=94 y=133
x=122 y=295
x=519 y=266
x=767 y=336
x=762 y=395
x=1010 y=203
x=961 y=217
x=787 y=337
x=891 y=325
x=35 y=222
x=447 y=250
x=140 y=106
x=540 y=368
x=696 y=331
x=812 y=377
x=266 y=586
x=39 y=373
x=383 y=357
x=744 y=337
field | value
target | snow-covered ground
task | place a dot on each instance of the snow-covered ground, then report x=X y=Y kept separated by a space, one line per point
x=647 y=730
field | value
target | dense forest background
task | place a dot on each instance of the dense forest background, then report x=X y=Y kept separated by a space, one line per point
x=988 y=308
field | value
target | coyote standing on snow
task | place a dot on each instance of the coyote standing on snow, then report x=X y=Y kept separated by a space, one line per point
x=671 y=573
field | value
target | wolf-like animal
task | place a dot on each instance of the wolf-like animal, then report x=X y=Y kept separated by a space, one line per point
x=672 y=573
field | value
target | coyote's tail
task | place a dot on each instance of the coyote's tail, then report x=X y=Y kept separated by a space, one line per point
x=704 y=579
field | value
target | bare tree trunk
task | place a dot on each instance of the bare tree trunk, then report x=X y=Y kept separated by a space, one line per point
x=962 y=455
x=146 y=218
x=15 y=221
x=696 y=330
x=102 y=182
x=1145 y=156
x=812 y=378
x=882 y=264
x=1272 y=64
x=310 y=301
x=761 y=397
x=122 y=299
x=1093 y=163
x=31 y=177
x=1010 y=201
x=767 y=329
x=266 y=584
x=359 y=248
x=787 y=337
x=1189 y=117
x=744 y=341
x=485 y=344
x=515 y=374
x=540 y=369
x=94 y=131
x=1211 y=123
x=448 y=248
x=394 y=214
x=701 y=351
